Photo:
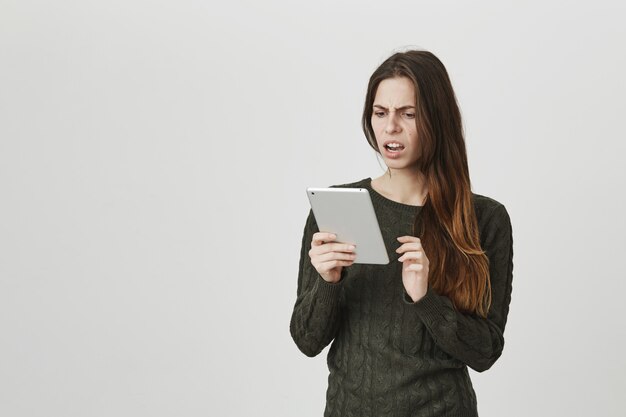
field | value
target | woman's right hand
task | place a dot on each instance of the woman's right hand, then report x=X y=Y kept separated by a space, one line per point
x=329 y=257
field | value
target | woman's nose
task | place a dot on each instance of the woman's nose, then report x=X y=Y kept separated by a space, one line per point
x=392 y=126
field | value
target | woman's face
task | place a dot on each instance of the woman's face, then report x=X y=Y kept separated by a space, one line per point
x=393 y=121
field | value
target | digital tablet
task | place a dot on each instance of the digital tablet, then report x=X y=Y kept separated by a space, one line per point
x=349 y=214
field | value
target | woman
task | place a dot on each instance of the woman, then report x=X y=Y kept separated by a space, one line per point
x=405 y=333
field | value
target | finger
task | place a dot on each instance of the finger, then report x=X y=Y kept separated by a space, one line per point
x=340 y=256
x=320 y=237
x=327 y=266
x=408 y=238
x=411 y=255
x=331 y=248
x=414 y=267
x=409 y=247
x=337 y=247
x=332 y=259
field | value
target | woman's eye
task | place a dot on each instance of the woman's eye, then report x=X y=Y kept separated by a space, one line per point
x=379 y=113
x=410 y=115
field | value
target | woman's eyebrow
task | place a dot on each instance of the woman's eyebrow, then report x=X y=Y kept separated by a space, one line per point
x=399 y=108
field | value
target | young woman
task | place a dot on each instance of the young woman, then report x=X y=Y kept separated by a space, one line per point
x=405 y=333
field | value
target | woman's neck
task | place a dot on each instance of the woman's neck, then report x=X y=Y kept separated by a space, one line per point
x=402 y=187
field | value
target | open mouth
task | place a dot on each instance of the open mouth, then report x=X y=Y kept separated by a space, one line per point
x=394 y=148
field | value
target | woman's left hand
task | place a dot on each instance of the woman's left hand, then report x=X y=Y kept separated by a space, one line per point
x=414 y=266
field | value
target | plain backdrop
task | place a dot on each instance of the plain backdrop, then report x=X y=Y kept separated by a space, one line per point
x=154 y=157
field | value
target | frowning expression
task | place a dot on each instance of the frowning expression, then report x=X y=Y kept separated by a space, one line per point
x=393 y=121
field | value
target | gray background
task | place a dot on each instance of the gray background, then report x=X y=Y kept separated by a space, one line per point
x=154 y=158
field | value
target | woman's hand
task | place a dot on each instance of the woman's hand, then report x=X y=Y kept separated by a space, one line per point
x=414 y=267
x=329 y=258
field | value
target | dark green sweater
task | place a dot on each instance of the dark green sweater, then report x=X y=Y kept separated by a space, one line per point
x=390 y=356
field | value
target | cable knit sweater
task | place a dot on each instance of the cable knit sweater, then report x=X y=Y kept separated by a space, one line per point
x=391 y=356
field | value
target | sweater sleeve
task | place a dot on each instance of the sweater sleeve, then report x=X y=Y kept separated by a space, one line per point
x=316 y=313
x=476 y=341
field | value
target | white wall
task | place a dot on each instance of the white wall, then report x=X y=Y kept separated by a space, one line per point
x=153 y=164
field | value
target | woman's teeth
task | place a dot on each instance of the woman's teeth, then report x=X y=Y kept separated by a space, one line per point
x=394 y=148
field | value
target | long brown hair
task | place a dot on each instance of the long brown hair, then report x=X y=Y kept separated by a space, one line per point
x=447 y=224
